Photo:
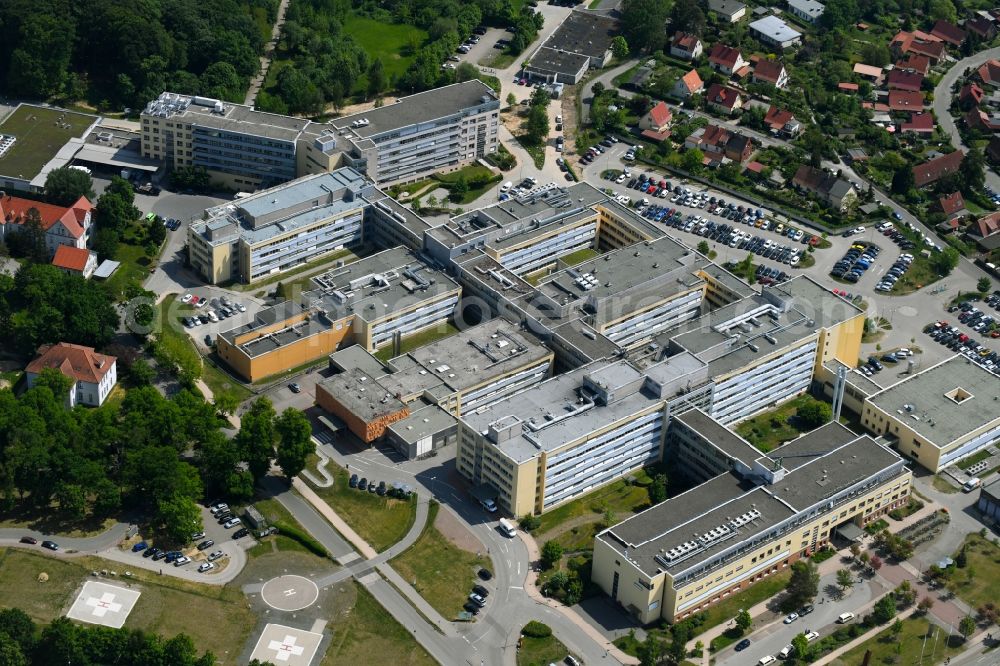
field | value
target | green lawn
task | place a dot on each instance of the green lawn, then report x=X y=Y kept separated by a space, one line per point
x=976 y=457
x=906 y=648
x=574 y=524
x=470 y=172
x=769 y=429
x=541 y=651
x=365 y=630
x=979 y=581
x=943 y=485
x=440 y=571
x=171 y=333
x=580 y=256
x=40 y=134
x=387 y=41
x=380 y=521
x=221 y=383
x=727 y=609
x=167 y=606
x=134 y=268
x=418 y=339
x=920 y=274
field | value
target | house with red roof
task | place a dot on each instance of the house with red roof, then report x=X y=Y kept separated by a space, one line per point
x=900 y=79
x=989 y=72
x=985 y=231
x=918 y=43
x=948 y=32
x=718 y=142
x=686 y=46
x=978 y=119
x=75 y=261
x=935 y=169
x=919 y=123
x=915 y=63
x=970 y=95
x=829 y=188
x=782 y=122
x=870 y=72
x=723 y=99
x=772 y=72
x=93 y=374
x=655 y=123
x=726 y=59
x=982 y=28
x=900 y=100
x=953 y=206
x=62 y=226
x=687 y=85
x=847 y=86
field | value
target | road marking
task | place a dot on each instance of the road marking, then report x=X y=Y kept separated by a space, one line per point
x=516 y=587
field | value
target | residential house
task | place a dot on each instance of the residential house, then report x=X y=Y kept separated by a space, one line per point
x=953 y=206
x=730 y=11
x=93 y=375
x=984 y=29
x=937 y=168
x=723 y=99
x=901 y=100
x=687 y=85
x=873 y=74
x=62 y=225
x=900 y=79
x=948 y=32
x=772 y=30
x=718 y=142
x=685 y=45
x=915 y=63
x=726 y=59
x=847 y=87
x=809 y=11
x=921 y=124
x=835 y=191
x=771 y=71
x=905 y=43
x=655 y=123
x=989 y=72
x=782 y=122
x=75 y=261
x=970 y=95
x=985 y=231
x=978 y=119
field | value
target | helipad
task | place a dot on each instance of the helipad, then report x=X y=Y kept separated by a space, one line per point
x=104 y=604
x=289 y=593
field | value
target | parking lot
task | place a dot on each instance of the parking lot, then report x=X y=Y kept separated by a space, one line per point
x=972 y=332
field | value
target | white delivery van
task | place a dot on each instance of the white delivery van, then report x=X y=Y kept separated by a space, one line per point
x=844 y=618
x=972 y=484
x=507 y=528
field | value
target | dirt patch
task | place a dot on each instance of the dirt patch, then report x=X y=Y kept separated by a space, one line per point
x=357 y=108
x=457 y=533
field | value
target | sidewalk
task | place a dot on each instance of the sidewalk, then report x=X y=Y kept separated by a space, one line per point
x=338 y=523
x=532 y=590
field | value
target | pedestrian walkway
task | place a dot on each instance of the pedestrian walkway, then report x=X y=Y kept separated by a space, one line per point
x=327 y=479
x=338 y=523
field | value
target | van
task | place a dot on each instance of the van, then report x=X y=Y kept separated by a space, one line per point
x=507 y=529
x=506 y=186
x=786 y=652
x=844 y=618
x=971 y=484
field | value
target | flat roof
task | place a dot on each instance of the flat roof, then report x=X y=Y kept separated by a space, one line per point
x=944 y=402
x=720 y=436
x=584 y=32
x=356 y=356
x=422 y=107
x=41 y=133
x=362 y=395
x=227 y=116
x=426 y=421
x=776 y=29
x=547 y=59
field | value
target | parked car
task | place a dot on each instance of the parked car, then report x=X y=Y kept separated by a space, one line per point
x=139 y=547
x=206 y=566
x=50 y=545
x=181 y=561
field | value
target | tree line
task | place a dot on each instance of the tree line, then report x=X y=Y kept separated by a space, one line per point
x=117 y=53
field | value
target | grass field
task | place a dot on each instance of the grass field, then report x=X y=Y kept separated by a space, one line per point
x=39 y=138
x=380 y=521
x=418 y=340
x=386 y=41
x=580 y=256
x=221 y=383
x=920 y=274
x=943 y=485
x=574 y=524
x=443 y=572
x=366 y=633
x=541 y=651
x=168 y=606
x=171 y=333
x=133 y=270
x=769 y=429
x=727 y=609
x=470 y=172
x=979 y=581
x=906 y=648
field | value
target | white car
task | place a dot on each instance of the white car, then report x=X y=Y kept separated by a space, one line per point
x=621 y=179
x=212 y=316
x=229 y=524
x=811 y=635
x=201 y=303
x=221 y=507
x=791 y=617
x=207 y=566
x=859 y=230
x=181 y=561
x=241 y=307
x=214 y=555
x=186 y=298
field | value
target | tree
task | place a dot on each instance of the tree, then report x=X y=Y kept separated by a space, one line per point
x=943 y=10
x=551 y=554
x=644 y=24
x=377 y=80
x=905 y=594
x=971 y=171
x=295 y=443
x=658 y=489
x=511 y=99
x=961 y=560
x=458 y=189
x=875 y=563
x=925 y=604
x=903 y=180
x=875 y=54
x=983 y=285
x=687 y=16
x=619 y=47
x=967 y=626
x=743 y=621
x=17 y=625
x=537 y=124
x=814 y=413
x=704 y=248
x=255 y=440
x=855 y=550
x=64 y=186
x=692 y=159
x=178 y=517
x=801 y=646
x=804 y=583
x=945 y=261
x=72 y=501
x=466 y=71
x=651 y=650
x=884 y=609
x=845 y=579
x=29 y=242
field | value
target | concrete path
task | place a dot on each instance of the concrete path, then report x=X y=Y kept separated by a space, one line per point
x=317 y=503
x=265 y=61
x=327 y=480
x=307 y=516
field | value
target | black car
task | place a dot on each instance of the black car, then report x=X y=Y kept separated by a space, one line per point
x=363 y=484
x=151 y=552
x=485 y=574
x=29 y=540
x=50 y=545
x=481 y=591
x=207 y=543
x=240 y=533
x=471 y=607
x=353 y=483
x=743 y=645
x=805 y=610
x=158 y=555
x=381 y=489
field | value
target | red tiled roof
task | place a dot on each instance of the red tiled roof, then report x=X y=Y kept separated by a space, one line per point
x=988 y=225
x=919 y=122
x=937 y=168
x=917 y=63
x=926 y=36
x=951 y=203
x=989 y=72
x=723 y=55
x=970 y=92
x=722 y=96
x=755 y=167
x=653 y=135
x=685 y=41
x=660 y=114
x=75 y=361
x=71 y=258
x=847 y=86
x=13 y=210
x=902 y=80
x=930 y=49
x=870 y=71
x=981 y=27
x=902 y=100
x=692 y=81
x=948 y=32
x=769 y=70
x=776 y=118
x=976 y=118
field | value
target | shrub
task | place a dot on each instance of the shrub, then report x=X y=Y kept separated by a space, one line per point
x=536 y=629
x=296 y=534
x=529 y=522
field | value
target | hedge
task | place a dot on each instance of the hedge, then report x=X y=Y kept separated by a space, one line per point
x=306 y=540
x=536 y=630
